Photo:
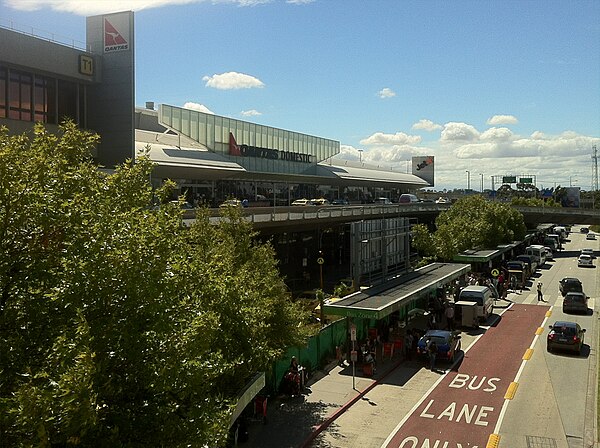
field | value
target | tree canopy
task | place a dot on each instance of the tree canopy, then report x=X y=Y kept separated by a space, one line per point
x=120 y=326
x=470 y=223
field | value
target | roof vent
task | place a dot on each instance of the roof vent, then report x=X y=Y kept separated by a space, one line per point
x=150 y=105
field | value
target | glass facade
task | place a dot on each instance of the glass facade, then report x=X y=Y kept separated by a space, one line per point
x=27 y=96
x=264 y=149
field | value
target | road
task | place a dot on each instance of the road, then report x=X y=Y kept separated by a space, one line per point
x=506 y=391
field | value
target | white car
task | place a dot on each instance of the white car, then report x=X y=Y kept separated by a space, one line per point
x=585 y=261
x=590 y=236
x=302 y=202
x=588 y=251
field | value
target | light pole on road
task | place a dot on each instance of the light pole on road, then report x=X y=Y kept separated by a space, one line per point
x=468 y=179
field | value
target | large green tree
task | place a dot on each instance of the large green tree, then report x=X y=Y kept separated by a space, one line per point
x=470 y=223
x=119 y=326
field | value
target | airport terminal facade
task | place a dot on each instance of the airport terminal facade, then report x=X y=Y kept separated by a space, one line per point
x=211 y=158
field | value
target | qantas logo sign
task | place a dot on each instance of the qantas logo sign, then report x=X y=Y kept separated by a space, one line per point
x=114 y=35
x=264 y=153
x=425 y=163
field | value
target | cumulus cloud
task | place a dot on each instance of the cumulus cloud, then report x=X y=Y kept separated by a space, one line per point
x=386 y=93
x=251 y=113
x=502 y=119
x=399 y=138
x=459 y=132
x=198 y=107
x=496 y=134
x=426 y=125
x=91 y=7
x=232 y=81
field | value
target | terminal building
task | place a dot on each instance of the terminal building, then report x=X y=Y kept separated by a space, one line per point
x=211 y=158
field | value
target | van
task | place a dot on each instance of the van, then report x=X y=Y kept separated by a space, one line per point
x=408 y=199
x=383 y=201
x=538 y=252
x=530 y=261
x=556 y=238
x=482 y=295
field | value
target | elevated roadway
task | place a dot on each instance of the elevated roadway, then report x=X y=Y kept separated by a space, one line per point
x=274 y=219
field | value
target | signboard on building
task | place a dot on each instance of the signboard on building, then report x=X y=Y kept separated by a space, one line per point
x=423 y=166
x=571 y=199
x=117 y=33
x=526 y=180
x=509 y=180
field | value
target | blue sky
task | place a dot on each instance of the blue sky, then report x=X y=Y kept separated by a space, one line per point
x=489 y=87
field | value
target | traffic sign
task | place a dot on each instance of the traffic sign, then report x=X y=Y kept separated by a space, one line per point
x=320 y=260
x=495 y=272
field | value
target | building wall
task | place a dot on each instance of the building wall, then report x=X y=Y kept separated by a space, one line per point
x=111 y=103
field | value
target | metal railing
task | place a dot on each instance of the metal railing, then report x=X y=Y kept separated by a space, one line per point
x=44 y=35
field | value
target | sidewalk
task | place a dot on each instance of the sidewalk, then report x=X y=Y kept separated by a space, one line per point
x=295 y=422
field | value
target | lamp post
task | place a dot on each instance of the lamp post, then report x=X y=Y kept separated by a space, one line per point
x=360 y=151
x=481 y=174
x=571 y=181
x=468 y=179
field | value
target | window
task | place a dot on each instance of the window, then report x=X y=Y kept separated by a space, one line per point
x=3 y=84
x=44 y=100
x=19 y=95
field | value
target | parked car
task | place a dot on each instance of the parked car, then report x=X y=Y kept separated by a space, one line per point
x=584 y=229
x=585 y=261
x=302 y=202
x=588 y=251
x=448 y=344
x=565 y=335
x=590 y=236
x=549 y=253
x=569 y=284
x=575 y=301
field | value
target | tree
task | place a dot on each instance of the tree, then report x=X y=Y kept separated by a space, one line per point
x=119 y=326
x=470 y=223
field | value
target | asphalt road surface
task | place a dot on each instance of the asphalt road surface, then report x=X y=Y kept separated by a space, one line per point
x=505 y=391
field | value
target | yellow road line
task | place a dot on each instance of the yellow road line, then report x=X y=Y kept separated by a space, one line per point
x=511 y=391
x=493 y=441
x=548 y=313
x=539 y=331
x=527 y=355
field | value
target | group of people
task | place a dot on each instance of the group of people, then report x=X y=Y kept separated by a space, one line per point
x=293 y=380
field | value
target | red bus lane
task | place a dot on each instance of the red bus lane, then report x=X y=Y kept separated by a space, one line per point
x=464 y=407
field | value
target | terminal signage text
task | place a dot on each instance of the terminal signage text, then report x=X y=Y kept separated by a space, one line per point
x=264 y=153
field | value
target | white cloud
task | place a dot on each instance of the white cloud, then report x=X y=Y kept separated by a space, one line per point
x=386 y=93
x=502 y=119
x=426 y=125
x=496 y=134
x=198 y=107
x=91 y=7
x=399 y=138
x=250 y=113
x=232 y=81
x=300 y=2
x=459 y=132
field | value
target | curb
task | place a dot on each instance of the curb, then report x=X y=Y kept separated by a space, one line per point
x=329 y=420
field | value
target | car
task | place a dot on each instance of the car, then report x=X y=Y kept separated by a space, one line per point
x=383 y=201
x=340 y=201
x=565 y=335
x=549 y=253
x=585 y=261
x=569 y=284
x=443 y=200
x=588 y=251
x=320 y=201
x=231 y=203
x=408 y=198
x=575 y=301
x=302 y=202
x=182 y=205
x=590 y=236
x=448 y=344
x=584 y=229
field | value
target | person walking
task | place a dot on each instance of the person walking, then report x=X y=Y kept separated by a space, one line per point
x=540 y=295
x=450 y=316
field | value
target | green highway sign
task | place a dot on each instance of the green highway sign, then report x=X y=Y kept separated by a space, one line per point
x=509 y=180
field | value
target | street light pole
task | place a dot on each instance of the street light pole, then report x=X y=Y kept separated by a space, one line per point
x=468 y=179
x=481 y=174
x=360 y=151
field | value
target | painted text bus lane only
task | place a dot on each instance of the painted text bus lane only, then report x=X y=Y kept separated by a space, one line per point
x=463 y=409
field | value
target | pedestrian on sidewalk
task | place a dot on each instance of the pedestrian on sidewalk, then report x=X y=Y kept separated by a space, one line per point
x=432 y=351
x=540 y=295
x=450 y=316
x=408 y=344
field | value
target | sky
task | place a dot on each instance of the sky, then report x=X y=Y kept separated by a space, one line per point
x=489 y=88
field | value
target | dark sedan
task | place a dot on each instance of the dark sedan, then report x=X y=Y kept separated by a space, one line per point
x=447 y=342
x=569 y=284
x=566 y=336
